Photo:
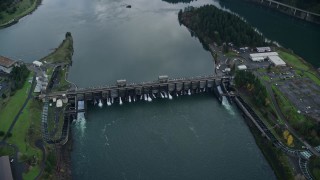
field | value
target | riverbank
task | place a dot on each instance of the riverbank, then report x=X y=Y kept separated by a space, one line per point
x=297 y=69
x=56 y=66
x=23 y=8
x=27 y=127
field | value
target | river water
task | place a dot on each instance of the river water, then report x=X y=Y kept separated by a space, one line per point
x=191 y=137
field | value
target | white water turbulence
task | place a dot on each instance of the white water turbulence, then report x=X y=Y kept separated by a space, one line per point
x=161 y=95
x=149 y=98
x=154 y=97
x=120 y=101
x=129 y=99
x=227 y=105
x=100 y=103
x=165 y=95
x=80 y=123
x=170 y=97
x=189 y=92
x=145 y=97
x=108 y=102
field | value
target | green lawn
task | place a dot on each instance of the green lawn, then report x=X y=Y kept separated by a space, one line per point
x=293 y=60
x=23 y=7
x=25 y=132
x=12 y=107
x=32 y=173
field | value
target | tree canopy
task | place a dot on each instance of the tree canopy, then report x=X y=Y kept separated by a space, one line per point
x=18 y=76
x=214 y=25
x=247 y=80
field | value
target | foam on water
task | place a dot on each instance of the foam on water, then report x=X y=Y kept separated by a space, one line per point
x=165 y=95
x=227 y=105
x=80 y=123
x=149 y=98
x=170 y=97
x=120 y=101
x=129 y=99
x=161 y=95
x=189 y=92
x=100 y=103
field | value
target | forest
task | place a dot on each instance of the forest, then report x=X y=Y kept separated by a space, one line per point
x=211 y=24
x=310 y=5
x=5 y=5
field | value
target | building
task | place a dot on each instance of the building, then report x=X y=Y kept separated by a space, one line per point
x=37 y=63
x=276 y=60
x=5 y=168
x=6 y=64
x=263 y=49
x=259 y=56
x=273 y=57
x=242 y=67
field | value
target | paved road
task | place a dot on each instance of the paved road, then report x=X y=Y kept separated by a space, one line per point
x=282 y=116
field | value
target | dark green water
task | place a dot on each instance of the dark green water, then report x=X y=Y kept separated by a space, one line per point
x=186 y=138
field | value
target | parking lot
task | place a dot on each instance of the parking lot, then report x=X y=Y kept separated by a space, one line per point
x=304 y=94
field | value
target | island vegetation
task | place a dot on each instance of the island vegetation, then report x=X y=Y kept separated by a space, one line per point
x=11 y=11
x=211 y=24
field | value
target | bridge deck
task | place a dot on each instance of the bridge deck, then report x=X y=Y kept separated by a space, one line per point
x=134 y=86
x=292 y=7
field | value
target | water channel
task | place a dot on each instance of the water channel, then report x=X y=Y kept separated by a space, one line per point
x=192 y=137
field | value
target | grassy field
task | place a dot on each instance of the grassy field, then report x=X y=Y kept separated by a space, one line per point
x=23 y=7
x=13 y=105
x=293 y=60
x=63 y=54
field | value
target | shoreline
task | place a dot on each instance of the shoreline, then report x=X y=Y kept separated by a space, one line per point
x=289 y=12
x=17 y=18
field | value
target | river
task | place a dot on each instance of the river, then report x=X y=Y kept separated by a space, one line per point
x=191 y=137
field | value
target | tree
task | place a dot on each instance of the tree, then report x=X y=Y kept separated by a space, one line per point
x=290 y=140
x=3 y=96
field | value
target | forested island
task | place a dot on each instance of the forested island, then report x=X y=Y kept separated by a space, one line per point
x=211 y=24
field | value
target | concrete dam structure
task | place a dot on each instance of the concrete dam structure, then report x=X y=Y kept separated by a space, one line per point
x=123 y=92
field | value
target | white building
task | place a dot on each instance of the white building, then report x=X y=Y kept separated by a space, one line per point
x=256 y=56
x=276 y=60
x=242 y=67
x=263 y=49
x=273 y=57
x=37 y=63
x=6 y=64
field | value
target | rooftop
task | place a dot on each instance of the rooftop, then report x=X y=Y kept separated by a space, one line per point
x=265 y=55
x=6 y=62
x=276 y=60
x=5 y=168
